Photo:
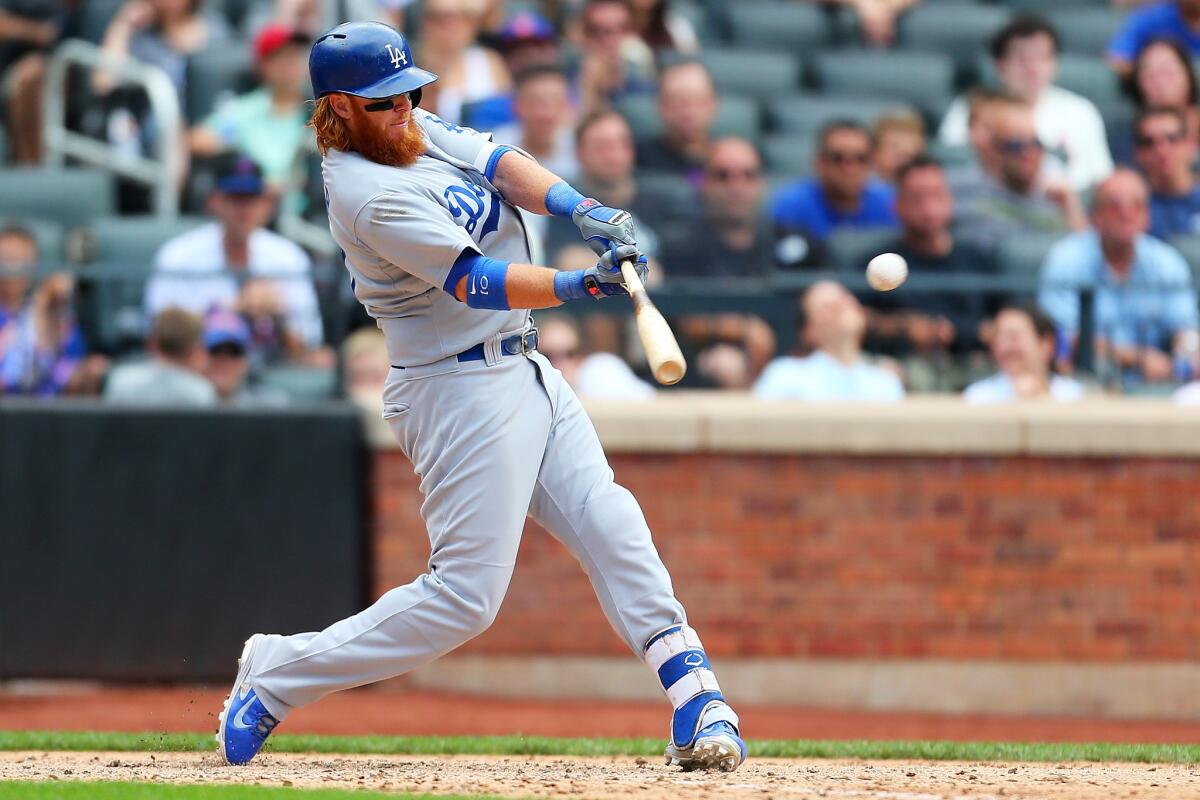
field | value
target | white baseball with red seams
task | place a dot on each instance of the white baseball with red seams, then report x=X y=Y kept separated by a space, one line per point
x=887 y=271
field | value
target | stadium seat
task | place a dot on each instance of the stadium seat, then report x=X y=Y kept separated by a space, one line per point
x=1090 y=77
x=301 y=384
x=850 y=249
x=960 y=30
x=753 y=72
x=951 y=156
x=1083 y=30
x=95 y=16
x=135 y=240
x=641 y=112
x=66 y=196
x=1023 y=255
x=701 y=19
x=789 y=154
x=1189 y=246
x=48 y=237
x=919 y=78
x=808 y=113
x=794 y=27
x=214 y=74
x=738 y=116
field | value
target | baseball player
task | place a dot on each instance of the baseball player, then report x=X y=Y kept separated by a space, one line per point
x=427 y=215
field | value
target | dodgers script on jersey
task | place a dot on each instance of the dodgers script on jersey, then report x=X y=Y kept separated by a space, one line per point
x=402 y=229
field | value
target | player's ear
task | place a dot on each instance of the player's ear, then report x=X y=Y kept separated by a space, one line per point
x=340 y=104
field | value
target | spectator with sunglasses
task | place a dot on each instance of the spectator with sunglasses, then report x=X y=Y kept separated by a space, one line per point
x=731 y=237
x=614 y=61
x=1005 y=194
x=1166 y=153
x=842 y=195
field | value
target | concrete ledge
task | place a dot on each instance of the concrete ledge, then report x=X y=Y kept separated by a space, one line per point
x=711 y=422
x=1157 y=690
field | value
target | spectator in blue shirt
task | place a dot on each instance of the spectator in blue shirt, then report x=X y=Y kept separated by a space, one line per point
x=1166 y=153
x=1175 y=19
x=836 y=371
x=843 y=194
x=1144 y=305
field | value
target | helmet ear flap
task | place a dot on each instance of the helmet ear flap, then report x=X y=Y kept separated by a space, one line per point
x=415 y=97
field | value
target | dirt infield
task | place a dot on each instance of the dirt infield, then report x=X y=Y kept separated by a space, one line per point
x=613 y=778
x=53 y=707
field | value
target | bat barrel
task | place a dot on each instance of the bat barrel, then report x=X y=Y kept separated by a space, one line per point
x=662 y=351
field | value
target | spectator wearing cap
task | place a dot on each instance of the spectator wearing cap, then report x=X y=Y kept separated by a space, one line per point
x=1165 y=154
x=42 y=351
x=268 y=123
x=687 y=103
x=614 y=61
x=528 y=39
x=235 y=262
x=1023 y=342
x=1172 y=19
x=842 y=195
x=227 y=339
x=545 y=119
x=1005 y=193
x=1025 y=54
x=1143 y=302
x=832 y=324
x=174 y=374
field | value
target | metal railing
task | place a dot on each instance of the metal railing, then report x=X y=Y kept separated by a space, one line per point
x=160 y=173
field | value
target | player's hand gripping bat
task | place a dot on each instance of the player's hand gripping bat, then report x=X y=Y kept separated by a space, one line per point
x=662 y=351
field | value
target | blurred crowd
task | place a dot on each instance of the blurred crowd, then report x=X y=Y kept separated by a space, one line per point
x=1034 y=163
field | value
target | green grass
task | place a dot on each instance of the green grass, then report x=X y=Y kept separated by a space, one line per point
x=81 y=790
x=541 y=745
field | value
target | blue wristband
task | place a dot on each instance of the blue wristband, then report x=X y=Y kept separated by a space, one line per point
x=569 y=285
x=487 y=280
x=561 y=199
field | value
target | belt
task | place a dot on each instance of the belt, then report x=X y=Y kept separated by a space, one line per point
x=516 y=345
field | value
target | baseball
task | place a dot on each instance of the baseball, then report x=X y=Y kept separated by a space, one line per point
x=887 y=271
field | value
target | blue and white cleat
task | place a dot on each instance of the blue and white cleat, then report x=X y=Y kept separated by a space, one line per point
x=717 y=746
x=245 y=722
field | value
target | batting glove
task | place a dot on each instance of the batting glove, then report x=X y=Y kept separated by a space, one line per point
x=602 y=227
x=606 y=275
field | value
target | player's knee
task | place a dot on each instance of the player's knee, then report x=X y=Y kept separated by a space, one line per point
x=479 y=602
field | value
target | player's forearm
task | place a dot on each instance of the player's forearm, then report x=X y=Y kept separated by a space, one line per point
x=524 y=182
x=523 y=286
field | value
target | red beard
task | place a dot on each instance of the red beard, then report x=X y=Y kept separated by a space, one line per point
x=377 y=146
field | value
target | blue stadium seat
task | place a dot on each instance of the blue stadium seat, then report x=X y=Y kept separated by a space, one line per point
x=808 y=113
x=301 y=384
x=67 y=196
x=1023 y=255
x=794 y=27
x=924 y=79
x=641 y=112
x=1084 y=30
x=753 y=72
x=736 y=116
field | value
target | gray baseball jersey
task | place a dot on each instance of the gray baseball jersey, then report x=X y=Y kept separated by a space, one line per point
x=492 y=440
x=403 y=229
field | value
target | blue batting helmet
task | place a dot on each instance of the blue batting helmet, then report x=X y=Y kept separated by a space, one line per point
x=365 y=59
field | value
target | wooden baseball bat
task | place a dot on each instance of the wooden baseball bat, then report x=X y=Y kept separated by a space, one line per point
x=662 y=351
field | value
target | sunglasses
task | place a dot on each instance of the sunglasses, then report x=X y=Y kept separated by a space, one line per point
x=1152 y=141
x=228 y=350
x=386 y=104
x=842 y=158
x=731 y=174
x=1016 y=147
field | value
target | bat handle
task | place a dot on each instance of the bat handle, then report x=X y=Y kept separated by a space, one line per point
x=633 y=283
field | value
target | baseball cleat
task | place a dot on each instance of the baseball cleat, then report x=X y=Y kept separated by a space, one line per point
x=716 y=747
x=244 y=722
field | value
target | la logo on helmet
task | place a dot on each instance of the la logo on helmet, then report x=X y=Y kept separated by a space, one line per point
x=398 y=57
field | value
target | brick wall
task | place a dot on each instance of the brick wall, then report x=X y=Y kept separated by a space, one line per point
x=1093 y=559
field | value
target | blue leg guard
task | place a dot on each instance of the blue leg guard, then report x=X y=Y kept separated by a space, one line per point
x=678 y=657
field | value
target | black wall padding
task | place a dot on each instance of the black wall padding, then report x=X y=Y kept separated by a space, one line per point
x=147 y=545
